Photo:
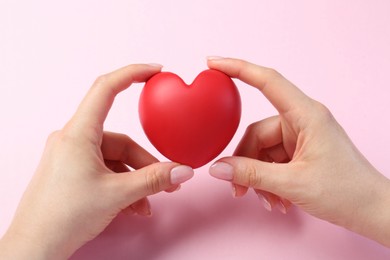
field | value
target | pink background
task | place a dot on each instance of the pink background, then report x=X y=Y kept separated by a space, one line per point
x=336 y=51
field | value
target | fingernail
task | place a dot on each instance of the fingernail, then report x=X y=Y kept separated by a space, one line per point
x=282 y=207
x=234 y=190
x=266 y=203
x=222 y=170
x=181 y=173
x=155 y=65
x=214 y=58
x=147 y=212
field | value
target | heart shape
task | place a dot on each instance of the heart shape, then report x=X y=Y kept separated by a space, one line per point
x=190 y=124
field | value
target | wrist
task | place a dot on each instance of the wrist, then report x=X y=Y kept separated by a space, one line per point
x=20 y=245
x=373 y=221
x=13 y=246
x=383 y=216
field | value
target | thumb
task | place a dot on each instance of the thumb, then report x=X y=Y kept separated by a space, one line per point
x=252 y=173
x=149 y=180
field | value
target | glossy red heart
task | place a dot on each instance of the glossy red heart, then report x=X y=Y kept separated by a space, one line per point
x=190 y=124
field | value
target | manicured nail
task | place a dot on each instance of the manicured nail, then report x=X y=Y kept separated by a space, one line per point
x=181 y=173
x=282 y=207
x=155 y=65
x=266 y=203
x=234 y=190
x=222 y=170
x=147 y=212
x=214 y=58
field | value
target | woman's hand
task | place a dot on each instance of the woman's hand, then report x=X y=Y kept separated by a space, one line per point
x=82 y=181
x=304 y=156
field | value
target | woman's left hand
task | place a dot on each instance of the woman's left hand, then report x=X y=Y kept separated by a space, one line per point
x=82 y=181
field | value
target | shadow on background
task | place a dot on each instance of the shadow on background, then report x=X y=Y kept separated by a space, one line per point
x=182 y=218
x=210 y=224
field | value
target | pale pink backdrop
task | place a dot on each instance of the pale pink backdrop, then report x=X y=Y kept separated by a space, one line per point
x=336 y=51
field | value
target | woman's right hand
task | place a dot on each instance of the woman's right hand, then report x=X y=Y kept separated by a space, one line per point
x=304 y=156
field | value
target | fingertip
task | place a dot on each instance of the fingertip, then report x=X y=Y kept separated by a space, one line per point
x=215 y=62
x=230 y=66
x=252 y=173
x=180 y=174
x=238 y=190
x=149 y=69
x=222 y=170
x=284 y=206
x=214 y=58
x=155 y=65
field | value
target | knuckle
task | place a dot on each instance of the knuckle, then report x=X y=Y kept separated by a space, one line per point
x=154 y=181
x=101 y=79
x=323 y=112
x=125 y=138
x=53 y=136
x=241 y=66
x=58 y=137
x=252 y=128
x=253 y=179
x=126 y=152
x=272 y=73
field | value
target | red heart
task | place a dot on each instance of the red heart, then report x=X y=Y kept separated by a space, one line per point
x=190 y=124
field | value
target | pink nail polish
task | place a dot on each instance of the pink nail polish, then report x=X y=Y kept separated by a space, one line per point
x=148 y=212
x=222 y=170
x=234 y=191
x=266 y=203
x=282 y=207
x=181 y=173
x=156 y=65
x=214 y=58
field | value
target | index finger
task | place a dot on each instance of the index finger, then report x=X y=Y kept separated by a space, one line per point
x=278 y=90
x=120 y=147
x=94 y=108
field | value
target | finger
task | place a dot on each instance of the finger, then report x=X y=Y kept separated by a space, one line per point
x=94 y=108
x=275 y=153
x=285 y=205
x=258 y=136
x=278 y=90
x=252 y=173
x=116 y=166
x=142 y=207
x=129 y=211
x=149 y=180
x=270 y=201
x=173 y=188
x=120 y=147
x=238 y=190
x=263 y=140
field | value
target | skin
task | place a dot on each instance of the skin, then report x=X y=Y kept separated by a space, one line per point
x=82 y=182
x=303 y=156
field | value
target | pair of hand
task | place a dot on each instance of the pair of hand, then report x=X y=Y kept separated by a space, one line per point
x=302 y=156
